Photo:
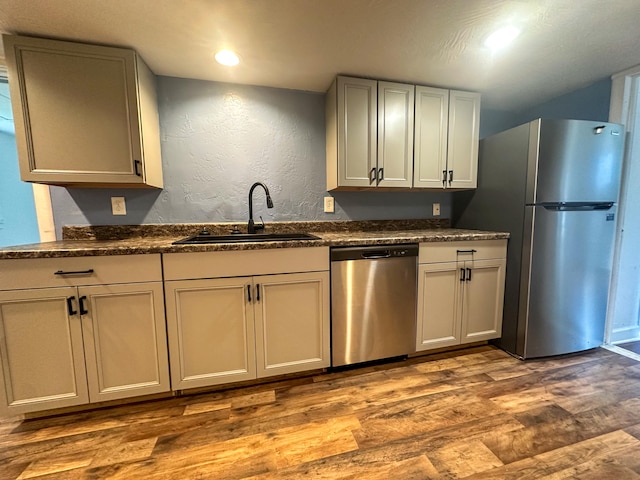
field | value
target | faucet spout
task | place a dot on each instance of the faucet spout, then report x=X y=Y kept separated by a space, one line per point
x=251 y=226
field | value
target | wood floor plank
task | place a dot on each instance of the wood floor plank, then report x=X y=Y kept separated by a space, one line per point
x=462 y=459
x=476 y=413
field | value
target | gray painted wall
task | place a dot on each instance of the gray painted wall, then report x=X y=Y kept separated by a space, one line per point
x=217 y=140
x=588 y=103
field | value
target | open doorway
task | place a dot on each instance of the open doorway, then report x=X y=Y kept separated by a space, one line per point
x=623 y=315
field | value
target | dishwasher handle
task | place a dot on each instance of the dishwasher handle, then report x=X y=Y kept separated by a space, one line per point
x=371 y=254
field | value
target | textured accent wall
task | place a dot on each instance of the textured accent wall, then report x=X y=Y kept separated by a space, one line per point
x=217 y=140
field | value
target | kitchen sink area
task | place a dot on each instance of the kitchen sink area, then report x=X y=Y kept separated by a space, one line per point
x=206 y=238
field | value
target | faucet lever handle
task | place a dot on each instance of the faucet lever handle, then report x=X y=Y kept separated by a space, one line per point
x=261 y=226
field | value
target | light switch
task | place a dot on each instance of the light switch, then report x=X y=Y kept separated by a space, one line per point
x=436 y=209
x=329 y=206
x=118 y=206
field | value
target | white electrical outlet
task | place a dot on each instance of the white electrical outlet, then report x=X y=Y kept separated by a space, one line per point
x=436 y=209
x=118 y=206
x=329 y=206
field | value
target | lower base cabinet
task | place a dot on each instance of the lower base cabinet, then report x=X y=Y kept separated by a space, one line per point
x=238 y=328
x=460 y=292
x=64 y=346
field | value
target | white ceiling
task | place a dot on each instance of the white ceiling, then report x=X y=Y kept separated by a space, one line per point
x=303 y=44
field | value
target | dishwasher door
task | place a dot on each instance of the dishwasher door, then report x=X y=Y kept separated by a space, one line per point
x=373 y=302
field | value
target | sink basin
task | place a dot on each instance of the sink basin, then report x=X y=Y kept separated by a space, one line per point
x=245 y=237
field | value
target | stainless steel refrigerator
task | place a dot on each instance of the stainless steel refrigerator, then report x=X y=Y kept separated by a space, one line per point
x=553 y=184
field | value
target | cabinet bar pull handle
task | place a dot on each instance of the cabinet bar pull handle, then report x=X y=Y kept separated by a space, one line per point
x=135 y=167
x=462 y=274
x=450 y=177
x=468 y=274
x=70 y=306
x=83 y=310
x=257 y=292
x=380 y=174
x=372 y=175
x=78 y=272
x=249 y=293
x=466 y=251
x=444 y=178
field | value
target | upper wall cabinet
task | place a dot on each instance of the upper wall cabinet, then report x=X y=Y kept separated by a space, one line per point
x=382 y=134
x=447 y=135
x=85 y=115
x=369 y=134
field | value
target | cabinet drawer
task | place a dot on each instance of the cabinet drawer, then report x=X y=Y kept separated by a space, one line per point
x=451 y=251
x=41 y=272
x=182 y=266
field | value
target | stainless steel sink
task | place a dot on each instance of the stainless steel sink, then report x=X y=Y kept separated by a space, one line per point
x=245 y=237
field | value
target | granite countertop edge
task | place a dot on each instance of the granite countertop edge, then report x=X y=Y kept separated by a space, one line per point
x=151 y=245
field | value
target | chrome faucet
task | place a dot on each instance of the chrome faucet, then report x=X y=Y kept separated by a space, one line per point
x=251 y=226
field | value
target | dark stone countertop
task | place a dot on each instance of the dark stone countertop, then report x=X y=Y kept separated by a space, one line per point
x=128 y=240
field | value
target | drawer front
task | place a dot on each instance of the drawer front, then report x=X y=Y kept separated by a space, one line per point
x=183 y=266
x=41 y=272
x=437 y=252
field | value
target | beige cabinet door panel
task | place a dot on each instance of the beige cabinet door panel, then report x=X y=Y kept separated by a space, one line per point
x=431 y=131
x=483 y=300
x=439 y=290
x=464 y=128
x=292 y=323
x=395 y=134
x=210 y=327
x=125 y=340
x=41 y=351
x=84 y=114
x=357 y=126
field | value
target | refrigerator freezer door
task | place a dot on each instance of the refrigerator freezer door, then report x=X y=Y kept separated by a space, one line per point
x=568 y=280
x=578 y=161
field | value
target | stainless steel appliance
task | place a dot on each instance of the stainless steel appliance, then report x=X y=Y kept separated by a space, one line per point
x=553 y=184
x=373 y=302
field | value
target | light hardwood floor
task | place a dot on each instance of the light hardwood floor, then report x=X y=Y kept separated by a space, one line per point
x=476 y=413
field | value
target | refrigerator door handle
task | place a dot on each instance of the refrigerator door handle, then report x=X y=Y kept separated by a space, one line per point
x=577 y=207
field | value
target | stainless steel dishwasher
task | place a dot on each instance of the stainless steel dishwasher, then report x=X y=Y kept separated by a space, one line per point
x=373 y=302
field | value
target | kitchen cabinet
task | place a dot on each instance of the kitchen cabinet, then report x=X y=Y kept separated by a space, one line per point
x=240 y=315
x=80 y=330
x=369 y=134
x=85 y=115
x=460 y=292
x=426 y=137
x=447 y=126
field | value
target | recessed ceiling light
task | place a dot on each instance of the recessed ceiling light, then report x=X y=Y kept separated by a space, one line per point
x=227 y=57
x=502 y=37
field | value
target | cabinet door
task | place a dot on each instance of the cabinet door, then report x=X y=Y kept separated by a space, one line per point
x=40 y=351
x=462 y=150
x=125 y=340
x=483 y=300
x=431 y=132
x=292 y=322
x=77 y=112
x=210 y=326
x=395 y=134
x=439 y=290
x=357 y=130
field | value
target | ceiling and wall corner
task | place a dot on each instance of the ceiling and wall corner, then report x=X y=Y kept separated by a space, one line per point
x=564 y=45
